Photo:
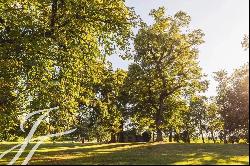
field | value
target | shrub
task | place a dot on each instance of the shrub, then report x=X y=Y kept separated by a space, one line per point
x=242 y=141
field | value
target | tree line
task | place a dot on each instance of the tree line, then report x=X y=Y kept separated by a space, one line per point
x=54 y=53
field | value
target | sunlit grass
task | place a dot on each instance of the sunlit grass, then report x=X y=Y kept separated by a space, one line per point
x=132 y=153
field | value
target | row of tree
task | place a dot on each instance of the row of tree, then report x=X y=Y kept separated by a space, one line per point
x=53 y=53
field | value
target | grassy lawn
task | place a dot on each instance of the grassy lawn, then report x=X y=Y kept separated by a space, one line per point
x=132 y=153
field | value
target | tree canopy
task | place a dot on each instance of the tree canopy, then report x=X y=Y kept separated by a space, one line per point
x=53 y=53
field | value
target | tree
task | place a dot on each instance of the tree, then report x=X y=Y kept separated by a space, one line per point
x=50 y=49
x=214 y=121
x=233 y=102
x=105 y=110
x=245 y=42
x=199 y=114
x=110 y=93
x=165 y=63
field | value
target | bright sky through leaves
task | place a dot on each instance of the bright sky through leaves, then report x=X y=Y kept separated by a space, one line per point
x=223 y=21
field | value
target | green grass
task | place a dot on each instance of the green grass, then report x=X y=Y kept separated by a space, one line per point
x=133 y=153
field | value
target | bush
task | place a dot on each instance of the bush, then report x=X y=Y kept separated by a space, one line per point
x=146 y=135
x=233 y=139
x=242 y=141
x=14 y=138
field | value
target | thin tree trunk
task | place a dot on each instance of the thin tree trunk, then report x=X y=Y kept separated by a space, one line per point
x=159 y=137
x=202 y=137
x=212 y=133
x=170 y=135
x=188 y=137
x=120 y=137
x=225 y=135
x=159 y=118
x=53 y=16
x=113 y=138
x=82 y=140
x=177 y=137
x=187 y=132
x=97 y=138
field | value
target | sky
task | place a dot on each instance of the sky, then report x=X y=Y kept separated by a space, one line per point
x=224 y=23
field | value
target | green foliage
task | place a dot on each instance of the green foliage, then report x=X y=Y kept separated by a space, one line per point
x=243 y=141
x=165 y=69
x=233 y=102
x=50 y=51
x=54 y=53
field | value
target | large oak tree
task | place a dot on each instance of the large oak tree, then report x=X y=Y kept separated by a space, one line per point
x=166 y=64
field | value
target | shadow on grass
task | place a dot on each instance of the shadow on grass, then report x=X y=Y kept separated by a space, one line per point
x=51 y=150
x=140 y=153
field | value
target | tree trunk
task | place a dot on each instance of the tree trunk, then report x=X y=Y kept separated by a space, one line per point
x=177 y=137
x=82 y=140
x=113 y=138
x=53 y=16
x=159 y=137
x=121 y=134
x=159 y=118
x=202 y=137
x=153 y=136
x=158 y=130
x=212 y=133
x=121 y=137
x=97 y=139
x=187 y=137
x=170 y=135
x=225 y=135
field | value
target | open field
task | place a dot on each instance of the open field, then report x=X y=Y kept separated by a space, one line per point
x=133 y=153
